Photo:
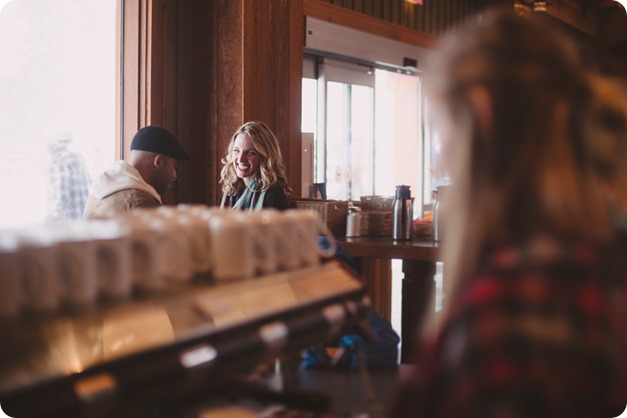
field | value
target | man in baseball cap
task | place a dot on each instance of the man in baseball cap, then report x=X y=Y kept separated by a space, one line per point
x=139 y=183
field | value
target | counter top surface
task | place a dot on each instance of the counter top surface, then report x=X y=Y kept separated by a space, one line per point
x=422 y=248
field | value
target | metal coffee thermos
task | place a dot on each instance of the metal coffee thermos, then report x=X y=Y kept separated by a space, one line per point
x=353 y=222
x=402 y=214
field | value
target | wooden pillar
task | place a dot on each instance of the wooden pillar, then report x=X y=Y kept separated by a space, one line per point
x=260 y=56
x=258 y=73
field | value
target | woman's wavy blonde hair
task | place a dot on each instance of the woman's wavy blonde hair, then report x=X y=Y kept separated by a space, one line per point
x=271 y=167
x=528 y=173
x=606 y=139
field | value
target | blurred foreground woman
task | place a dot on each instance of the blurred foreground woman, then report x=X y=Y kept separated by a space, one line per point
x=533 y=322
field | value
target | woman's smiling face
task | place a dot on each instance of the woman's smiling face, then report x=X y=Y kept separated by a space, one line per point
x=246 y=158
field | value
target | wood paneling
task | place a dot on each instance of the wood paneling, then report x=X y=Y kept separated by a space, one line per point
x=131 y=57
x=119 y=76
x=377 y=276
x=143 y=75
x=229 y=76
x=190 y=98
x=272 y=64
x=341 y=16
x=431 y=18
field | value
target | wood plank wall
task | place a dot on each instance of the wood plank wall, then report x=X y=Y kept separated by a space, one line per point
x=189 y=100
x=431 y=18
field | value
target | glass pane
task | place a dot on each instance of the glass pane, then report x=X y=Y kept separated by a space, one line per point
x=338 y=140
x=428 y=161
x=438 y=174
x=349 y=141
x=374 y=136
x=309 y=103
x=398 y=141
x=57 y=105
x=362 y=126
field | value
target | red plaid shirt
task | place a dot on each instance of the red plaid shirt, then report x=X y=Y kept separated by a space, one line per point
x=539 y=331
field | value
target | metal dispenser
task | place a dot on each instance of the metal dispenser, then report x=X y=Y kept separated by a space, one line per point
x=402 y=211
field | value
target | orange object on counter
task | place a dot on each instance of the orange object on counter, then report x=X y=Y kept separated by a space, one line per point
x=423 y=227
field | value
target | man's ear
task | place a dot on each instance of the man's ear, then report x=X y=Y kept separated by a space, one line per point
x=481 y=101
x=158 y=161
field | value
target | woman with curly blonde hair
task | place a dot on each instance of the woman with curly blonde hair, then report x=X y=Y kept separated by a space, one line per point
x=253 y=176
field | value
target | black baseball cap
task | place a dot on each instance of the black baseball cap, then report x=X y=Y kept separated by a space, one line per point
x=156 y=139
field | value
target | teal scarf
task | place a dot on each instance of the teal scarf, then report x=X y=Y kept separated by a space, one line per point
x=246 y=200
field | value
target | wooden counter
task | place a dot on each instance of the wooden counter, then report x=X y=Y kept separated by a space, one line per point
x=419 y=256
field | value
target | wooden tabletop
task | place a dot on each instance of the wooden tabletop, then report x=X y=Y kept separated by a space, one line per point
x=420 y=249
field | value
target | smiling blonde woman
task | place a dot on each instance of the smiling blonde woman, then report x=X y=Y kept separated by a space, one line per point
x=253 y=176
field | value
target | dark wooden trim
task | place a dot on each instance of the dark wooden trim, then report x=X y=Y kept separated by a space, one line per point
x=145 y=44
x=143 y=71
x=131 y=72
x=155 y=54
x=119 y=75
x=583 y=21
x=341 y=16
x=377 y=276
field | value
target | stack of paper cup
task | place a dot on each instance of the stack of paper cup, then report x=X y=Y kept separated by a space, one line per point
x=112 y=250
x=232 y=248
x=304 y=224
x=37 y=270
x=75 y=263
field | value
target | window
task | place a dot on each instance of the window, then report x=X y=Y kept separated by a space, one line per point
x=349 y=141
x=369 y=131
x=57 y=105
x=399 y=144
x=338 y=107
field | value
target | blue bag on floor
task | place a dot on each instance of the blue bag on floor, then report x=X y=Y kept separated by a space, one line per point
x=383 y=352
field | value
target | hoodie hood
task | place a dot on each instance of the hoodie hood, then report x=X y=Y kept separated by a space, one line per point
x=121 y=176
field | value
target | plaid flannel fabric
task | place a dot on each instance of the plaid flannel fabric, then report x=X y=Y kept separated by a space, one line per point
x=68 y=182
x=537 y=332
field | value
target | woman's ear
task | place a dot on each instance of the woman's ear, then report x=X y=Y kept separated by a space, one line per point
x=481 y=101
